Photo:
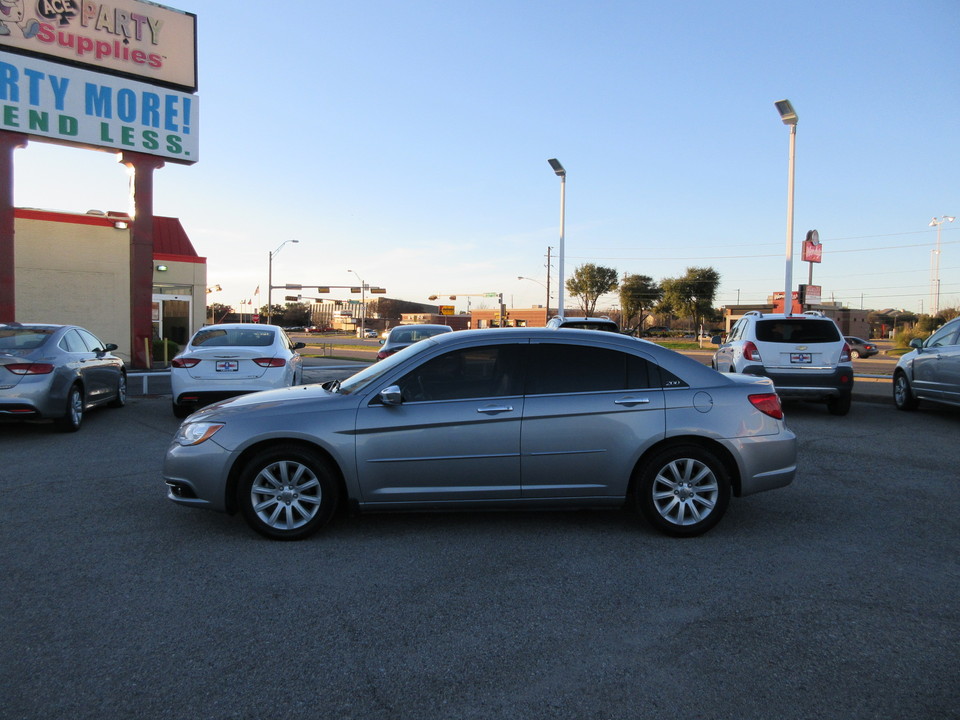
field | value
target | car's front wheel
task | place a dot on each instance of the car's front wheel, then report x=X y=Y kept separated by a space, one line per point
x=683 y=490
x=903 y=394
x=287 y=493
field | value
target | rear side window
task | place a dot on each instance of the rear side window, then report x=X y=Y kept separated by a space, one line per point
x=575 y=368
x=72 y=342
x=798 y=330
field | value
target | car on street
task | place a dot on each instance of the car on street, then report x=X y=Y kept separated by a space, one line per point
x=583 y=323
x=57 y=372
x=860 y=348
x=405 y=335
x=805 y=355
x=513 y=418
x=931 y=371
x=222 y=361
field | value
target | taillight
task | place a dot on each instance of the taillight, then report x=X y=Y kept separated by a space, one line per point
x=768 y=404
x=270 y=362
x=845 y=353
x=751 y=353
x=30 y=368
x=184 y=362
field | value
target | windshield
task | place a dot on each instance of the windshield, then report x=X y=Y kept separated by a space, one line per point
x=23 y=338
x=356 y=383
x=799 y=330
x=233 y=337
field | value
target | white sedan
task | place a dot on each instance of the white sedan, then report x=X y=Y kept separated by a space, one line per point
x=222 y=361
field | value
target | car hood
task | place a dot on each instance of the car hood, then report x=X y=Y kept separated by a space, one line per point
x=271 y=400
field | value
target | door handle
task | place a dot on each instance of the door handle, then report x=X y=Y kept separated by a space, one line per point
x=632 y=401
x=494 y=409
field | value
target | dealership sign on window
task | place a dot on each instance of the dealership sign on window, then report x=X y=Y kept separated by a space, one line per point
x=142 y=40
x=77 y=106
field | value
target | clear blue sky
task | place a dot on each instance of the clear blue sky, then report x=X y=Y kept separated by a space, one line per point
x=409 y=142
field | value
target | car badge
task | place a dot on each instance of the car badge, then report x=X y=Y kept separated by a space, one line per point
x=801 y=347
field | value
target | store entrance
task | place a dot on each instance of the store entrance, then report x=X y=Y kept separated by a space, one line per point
x=171 y=318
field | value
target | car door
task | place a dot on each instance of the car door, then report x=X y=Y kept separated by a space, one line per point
x=588 y=412
x=455 y=436
x=100 y=369
x=723 y=358
x=80 y=361
x=936 y=369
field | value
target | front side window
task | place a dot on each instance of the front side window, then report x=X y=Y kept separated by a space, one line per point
x=486 y=371
x=578 y=368
x=947 y=335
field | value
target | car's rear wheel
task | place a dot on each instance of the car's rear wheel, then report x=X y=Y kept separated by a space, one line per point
x=903 y=394
x=683 y=490
x=73 y=414
x=839 y=405
x=287 y=493
x=855 y=354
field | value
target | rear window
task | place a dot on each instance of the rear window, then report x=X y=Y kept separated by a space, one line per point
x=799 y=330
x=23 y=338
x=233 y=337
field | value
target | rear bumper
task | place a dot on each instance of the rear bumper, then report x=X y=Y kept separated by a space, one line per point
x=807 y=385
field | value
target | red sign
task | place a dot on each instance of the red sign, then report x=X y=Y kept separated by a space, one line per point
x=255 y=318
x=812 y=249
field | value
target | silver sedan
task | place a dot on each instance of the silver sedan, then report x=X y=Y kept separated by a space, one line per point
x=58 y=372
x=478 y=419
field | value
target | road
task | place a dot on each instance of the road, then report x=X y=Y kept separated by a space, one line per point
x=832 y=598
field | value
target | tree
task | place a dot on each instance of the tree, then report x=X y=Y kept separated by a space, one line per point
x=219 y=313
x=638 y=295
x=692 y=295
x=589 y=282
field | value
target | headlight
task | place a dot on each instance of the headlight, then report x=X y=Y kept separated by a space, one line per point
x=196 y=432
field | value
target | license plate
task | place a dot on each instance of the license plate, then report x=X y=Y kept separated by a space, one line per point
x=801 y=358
x=227 y=365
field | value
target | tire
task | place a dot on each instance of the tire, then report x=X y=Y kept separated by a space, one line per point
x=121 y=399
x=683 y=490
x=855 y=354
x=903 y=394
x=287 y=493
x=73 y=413
x=181 y=411
x=839 y=405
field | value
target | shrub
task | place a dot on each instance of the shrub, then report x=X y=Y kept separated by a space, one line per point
x=902 y=337
x=172 y=349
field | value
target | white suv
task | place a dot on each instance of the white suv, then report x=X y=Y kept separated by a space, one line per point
x=805 y=356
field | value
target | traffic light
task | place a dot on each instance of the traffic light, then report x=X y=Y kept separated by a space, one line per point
x=377 y=291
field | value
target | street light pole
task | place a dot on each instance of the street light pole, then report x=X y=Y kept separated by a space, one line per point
x=363 y=303
x=789 y=117
x=558 y=169
x=270 y=280
x=935 y=269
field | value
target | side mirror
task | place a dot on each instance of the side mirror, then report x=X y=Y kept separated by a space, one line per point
x=297 y=346
x=391 y=395
x=109 y=347
x=916 y=343
x=382 y=341
x=716 y=340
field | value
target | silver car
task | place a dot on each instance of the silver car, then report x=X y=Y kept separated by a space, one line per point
x=57 y=372
x=499 y=418
x=931 y=371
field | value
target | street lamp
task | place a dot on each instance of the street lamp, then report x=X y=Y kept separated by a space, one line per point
x=270 y=281
x=935 y=266
x=547 y=287
x=363 y=303
x=789 y=117
x=558 y=169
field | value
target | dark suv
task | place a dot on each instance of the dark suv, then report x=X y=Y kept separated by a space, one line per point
x=805 y=356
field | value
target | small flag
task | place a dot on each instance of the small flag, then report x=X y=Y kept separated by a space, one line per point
x=257 y=291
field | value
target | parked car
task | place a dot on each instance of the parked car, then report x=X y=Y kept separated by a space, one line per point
x=57 y=372
x=517 y=418
x=805 y=356
x=369 y=333
x=931 y=371
x=860 y=348
x=222 y=361
x=405 y=335
x=583 y=323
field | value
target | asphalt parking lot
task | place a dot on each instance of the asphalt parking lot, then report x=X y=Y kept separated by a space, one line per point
x=832 y=598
